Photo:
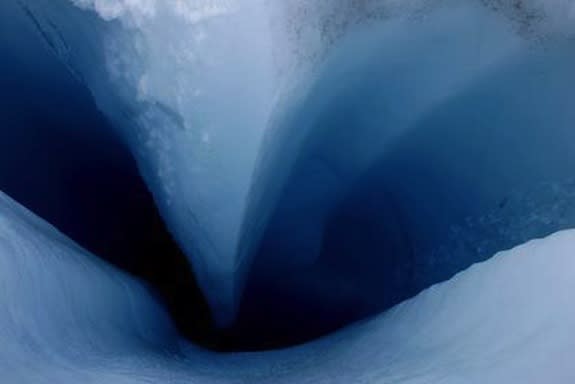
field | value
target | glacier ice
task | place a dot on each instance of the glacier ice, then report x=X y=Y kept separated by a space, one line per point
x=283 y=74
x=196 y=160
x=162 y=72
x=318 y=162
x=447 y=143
x=66 y=317
x=61 y=159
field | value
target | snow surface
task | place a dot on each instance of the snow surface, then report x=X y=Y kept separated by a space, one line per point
x=66 y=317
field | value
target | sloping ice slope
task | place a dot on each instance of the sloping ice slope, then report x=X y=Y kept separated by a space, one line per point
x=66 y=317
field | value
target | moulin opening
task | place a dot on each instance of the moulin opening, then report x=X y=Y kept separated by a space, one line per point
x=61 y=159
x=366 y=219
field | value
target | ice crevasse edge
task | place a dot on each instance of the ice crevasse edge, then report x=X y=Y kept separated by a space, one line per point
x=272 y=68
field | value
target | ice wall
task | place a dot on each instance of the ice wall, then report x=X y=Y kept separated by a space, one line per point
x=189 y=86
x=403 y=141
x=423 y=145
x=64 y=311
x=336 y=88
x=62 y=159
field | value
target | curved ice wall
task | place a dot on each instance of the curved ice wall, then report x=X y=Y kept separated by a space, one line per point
x=67 y=317
x=189 y=87
x=413 y=123
x=425 y=142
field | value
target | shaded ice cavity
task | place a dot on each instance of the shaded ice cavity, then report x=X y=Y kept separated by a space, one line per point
x=266 y=131
x=67 y=317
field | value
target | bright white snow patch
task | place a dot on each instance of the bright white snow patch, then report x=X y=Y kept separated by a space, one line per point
x=138 y=10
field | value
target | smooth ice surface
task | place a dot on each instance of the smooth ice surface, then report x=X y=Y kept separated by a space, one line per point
x=66 y=317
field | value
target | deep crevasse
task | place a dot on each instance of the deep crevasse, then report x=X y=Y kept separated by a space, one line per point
x=252 y=119
x=195 y=87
